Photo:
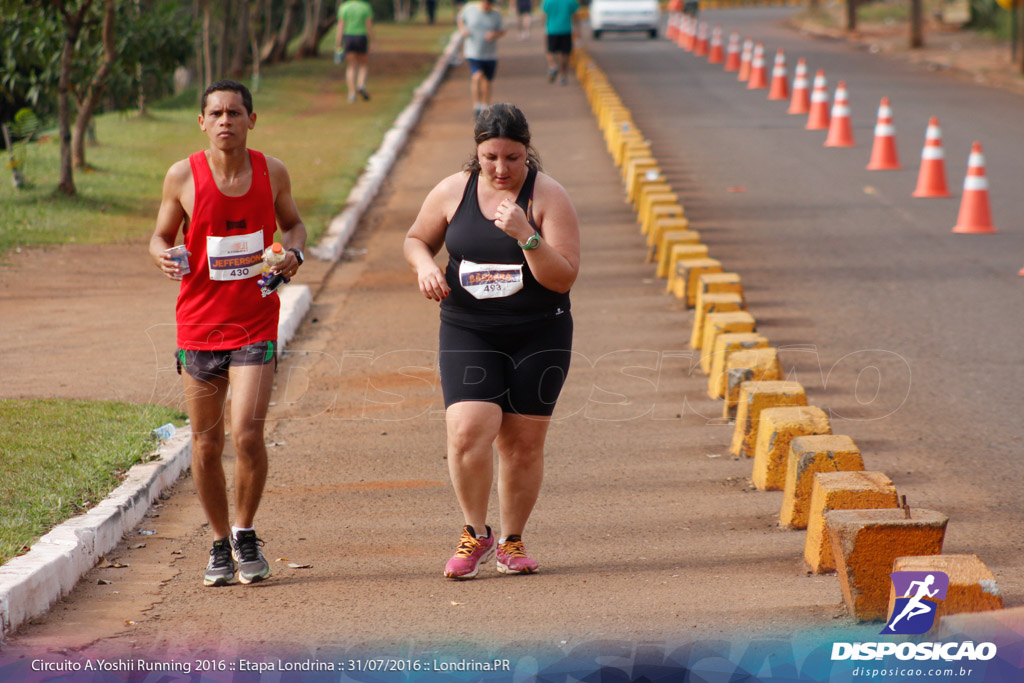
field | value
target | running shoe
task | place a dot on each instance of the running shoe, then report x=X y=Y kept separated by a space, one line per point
x=221 y=569
x=552 y=74
x=252 y=566
x=365 y=95
x=512 y=557
x=465 y=563
x=564 y=80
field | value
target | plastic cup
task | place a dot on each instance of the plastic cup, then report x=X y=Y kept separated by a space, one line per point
x=179 y=255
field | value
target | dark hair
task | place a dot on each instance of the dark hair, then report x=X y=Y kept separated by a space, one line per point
x=506 y=121
x=229 y=86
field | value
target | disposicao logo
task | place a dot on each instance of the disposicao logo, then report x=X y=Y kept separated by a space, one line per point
x=917 y=598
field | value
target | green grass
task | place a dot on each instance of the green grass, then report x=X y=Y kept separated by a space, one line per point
x=303 y=120
x=62 y=457
x=883 y=12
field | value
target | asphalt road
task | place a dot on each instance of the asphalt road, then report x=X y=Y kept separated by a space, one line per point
x=843 y=263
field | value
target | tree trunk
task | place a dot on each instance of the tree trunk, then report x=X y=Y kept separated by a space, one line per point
x=268 y=22
x=916 y=24
x=138 y=69
x=207 y=55
x=851 y=15
x=95 y=90
x=241 y=42
x=225 y=38
x=72 y=27
x=255 y=46
x=197 y=10
x=308 y=44
x=285 y=34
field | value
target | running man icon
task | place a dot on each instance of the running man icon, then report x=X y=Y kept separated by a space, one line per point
x=918 y=594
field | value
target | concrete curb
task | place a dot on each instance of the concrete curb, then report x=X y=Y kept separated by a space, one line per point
x=31 y=583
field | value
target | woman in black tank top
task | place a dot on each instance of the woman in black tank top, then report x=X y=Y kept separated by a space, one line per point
x=512 y=238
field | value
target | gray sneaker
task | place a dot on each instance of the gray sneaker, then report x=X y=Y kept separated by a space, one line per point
x=252 y=566
x=221 y=569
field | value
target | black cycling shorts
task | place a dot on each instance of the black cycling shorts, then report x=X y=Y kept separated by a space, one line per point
x=206 y=366
x=522 y=368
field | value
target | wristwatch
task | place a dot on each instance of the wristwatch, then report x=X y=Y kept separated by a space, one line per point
x=298 y=255
x=532 y=242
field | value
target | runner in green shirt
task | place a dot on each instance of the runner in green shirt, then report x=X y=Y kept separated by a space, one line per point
x=355 y=30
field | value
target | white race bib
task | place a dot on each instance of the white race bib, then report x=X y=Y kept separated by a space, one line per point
x=235 y=257
x=490 y=280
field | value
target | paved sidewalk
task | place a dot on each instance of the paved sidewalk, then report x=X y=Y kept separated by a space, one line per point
x=641 y=502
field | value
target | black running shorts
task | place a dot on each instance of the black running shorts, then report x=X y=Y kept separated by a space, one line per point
x=358 y=45
x=521 y=368
x=560 y=43
x=208 y=365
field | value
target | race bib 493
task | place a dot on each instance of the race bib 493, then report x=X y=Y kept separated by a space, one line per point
x=490 y=280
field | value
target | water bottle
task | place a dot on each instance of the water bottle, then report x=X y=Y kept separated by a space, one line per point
x=165 y=432
x=269 y=281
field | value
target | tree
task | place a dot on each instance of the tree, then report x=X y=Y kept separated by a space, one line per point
x=74 y=19
x=94 y=90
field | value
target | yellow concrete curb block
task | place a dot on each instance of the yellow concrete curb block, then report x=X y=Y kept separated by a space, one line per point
x=663 y=225
x=637 y=170
x=688 y=272
x=721 y=283
x=716 y=324
x=841 y=491
x=631 y=145
x=668 y=253
x=776 y=430
x=755 y=397
x=809 y=455
x=972 y=586
x=867 y=542
x=726 y=302
x=725 y=346
x=647 y=192
x=982 y=627
x=651 y=201
x=754 y=365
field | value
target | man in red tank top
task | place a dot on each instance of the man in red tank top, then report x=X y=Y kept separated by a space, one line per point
x=228 y=200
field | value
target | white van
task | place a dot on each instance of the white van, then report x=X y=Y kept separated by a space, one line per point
x=624 y=15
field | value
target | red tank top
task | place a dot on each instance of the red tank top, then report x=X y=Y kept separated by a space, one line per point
x=219 y=305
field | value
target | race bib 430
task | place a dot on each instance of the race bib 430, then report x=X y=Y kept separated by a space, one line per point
x=236 y=257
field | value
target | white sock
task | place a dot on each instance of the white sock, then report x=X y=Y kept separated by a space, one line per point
x=235 y=530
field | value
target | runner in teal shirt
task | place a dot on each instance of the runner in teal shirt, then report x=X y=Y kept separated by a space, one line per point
x=560 y=28
x=355 y=29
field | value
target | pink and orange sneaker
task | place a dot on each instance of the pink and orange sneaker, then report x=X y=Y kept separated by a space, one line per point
x=512 y=557
x=465 y=563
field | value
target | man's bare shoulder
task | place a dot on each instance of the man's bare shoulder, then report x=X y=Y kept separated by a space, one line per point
x=275 y=167
x=178 y=175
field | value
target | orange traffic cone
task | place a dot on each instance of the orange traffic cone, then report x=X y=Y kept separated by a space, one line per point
x=716 y=56
x=683 y=37
x=748 y=48
x=700 y=49
x=732 y=53
x=840 y=130
x=780 y=81
x=884 y=156
x=931 y=179
x=800 y=103
x=689 y=37
x=818 y=117
x=758 y=75
x=672 y=28
x=975 y=216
